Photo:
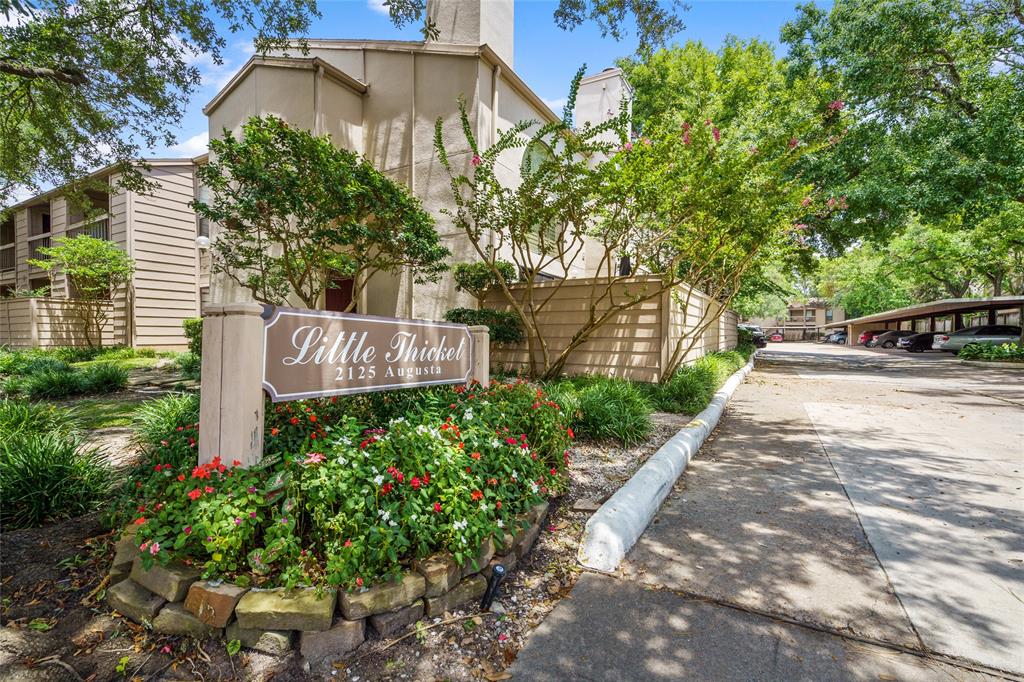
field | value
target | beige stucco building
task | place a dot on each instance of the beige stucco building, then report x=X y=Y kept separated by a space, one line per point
x=157 y=229
x=382 y=98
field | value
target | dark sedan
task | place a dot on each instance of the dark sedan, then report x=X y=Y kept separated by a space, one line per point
x=918 y=343
x=890 y=338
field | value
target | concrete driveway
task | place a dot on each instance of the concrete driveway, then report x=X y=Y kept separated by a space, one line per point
x=852 y=508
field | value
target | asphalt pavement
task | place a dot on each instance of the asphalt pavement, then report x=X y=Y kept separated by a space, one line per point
x=856 y=515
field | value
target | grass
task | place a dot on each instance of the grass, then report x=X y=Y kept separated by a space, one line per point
x=130 y=363
x=100 y=413
x=157 y=420
x=18 y=417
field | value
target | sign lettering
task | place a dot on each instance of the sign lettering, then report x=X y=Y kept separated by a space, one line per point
x=316 y=353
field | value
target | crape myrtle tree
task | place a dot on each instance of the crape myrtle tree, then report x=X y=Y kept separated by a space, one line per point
x=688 y=203
x=295 y=211
x=96 y=270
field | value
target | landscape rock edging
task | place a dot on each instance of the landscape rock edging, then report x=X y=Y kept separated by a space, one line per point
x=616 y=526
x=324 y=625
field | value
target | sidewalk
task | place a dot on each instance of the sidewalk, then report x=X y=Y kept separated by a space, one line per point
x=760 y=525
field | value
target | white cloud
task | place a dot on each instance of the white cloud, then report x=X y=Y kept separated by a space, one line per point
x=193 y=146
x=556 y=104
x=378 y=6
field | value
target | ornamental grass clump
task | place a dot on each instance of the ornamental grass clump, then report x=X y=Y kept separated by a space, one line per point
x=337 y=502
x=47 y=476
x=19 y=418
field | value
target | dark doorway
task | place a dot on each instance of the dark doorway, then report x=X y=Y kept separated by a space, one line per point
x=339 y=294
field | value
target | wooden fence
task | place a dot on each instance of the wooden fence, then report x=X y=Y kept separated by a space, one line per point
x=45 y=322
x=636 y=343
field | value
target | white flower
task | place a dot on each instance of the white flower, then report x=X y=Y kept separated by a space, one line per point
x=378 y=480
x=384 y=514
x=412 y=517
x=342 y=461
x=483 y=506
x=495 y=443
x=501 y=524
x=460 y=525
x=463 y=539
x=468 y=415
x=533 y=487
x=345 y=440
x=392 y=524
x=515 y=475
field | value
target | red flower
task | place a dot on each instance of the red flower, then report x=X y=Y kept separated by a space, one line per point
x=294 y=421
x=437 y=506
x=399 y=476
x=477 y=495
x=209 y=490
x=359 y=582
x=492 y=481
x=553 y=471
x=415 y=483
x=312 y=417
x=475 y=455
x=510 y=440
x=181 y=477
x=497 y=505
x=426 y=478
x=200 y=472
x=274 y=432
x=571 y=434
x=195 y=494
x=139 y=521
x=236 y=463
x=386 y=488
x=348 y=543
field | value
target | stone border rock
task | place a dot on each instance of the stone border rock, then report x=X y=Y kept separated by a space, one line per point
x=616 y=526
x=326 y=624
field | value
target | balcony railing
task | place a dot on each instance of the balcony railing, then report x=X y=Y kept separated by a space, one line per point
x=7 y=258
x=35 y=244
x=97 y=229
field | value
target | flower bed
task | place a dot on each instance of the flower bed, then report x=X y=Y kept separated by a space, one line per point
x=340 y=505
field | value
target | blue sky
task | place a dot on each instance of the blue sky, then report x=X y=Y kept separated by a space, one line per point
x=545 y=56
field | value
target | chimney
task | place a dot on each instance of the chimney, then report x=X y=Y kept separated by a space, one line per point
x=600 y=96
x=474 y=22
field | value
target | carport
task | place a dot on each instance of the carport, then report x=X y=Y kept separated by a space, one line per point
x=948 y=314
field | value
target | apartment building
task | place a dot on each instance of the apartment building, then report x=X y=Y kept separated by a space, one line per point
x=157 y=229
x=382 y=99
x=803 y=320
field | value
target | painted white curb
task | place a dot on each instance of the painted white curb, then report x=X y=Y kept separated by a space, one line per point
x=613 y=528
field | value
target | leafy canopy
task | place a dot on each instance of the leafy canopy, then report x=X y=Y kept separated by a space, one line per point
x=297 y=211
x=936 y=89
x=86 y=83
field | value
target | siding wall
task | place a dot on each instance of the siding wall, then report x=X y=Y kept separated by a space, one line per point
x=162 y=241
x=635 y=344
x=45 y=322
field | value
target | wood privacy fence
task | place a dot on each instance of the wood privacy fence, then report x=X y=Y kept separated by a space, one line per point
x=637 y=343
x=45 y=322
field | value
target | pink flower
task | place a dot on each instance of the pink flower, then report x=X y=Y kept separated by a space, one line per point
x=793 y=142
x=238 y=521
x=154 y=548
x=686 y=137
x=502 y=637
x=313 y=458
x=165 y=649
x=717 y=135
x=477 y=160
x=188 y=529
x=836 y=105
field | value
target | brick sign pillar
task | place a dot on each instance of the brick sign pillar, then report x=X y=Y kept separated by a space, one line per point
x=231 y=394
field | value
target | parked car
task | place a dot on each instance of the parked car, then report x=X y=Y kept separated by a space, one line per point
x=829 y=338
x=756 y=334
x=776 y=337
x=918 y=343
x=839 y=338
x=889 y=339
x=866 y=338
x=989 y=334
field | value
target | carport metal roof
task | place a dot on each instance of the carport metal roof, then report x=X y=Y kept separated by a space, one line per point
x=946 y=306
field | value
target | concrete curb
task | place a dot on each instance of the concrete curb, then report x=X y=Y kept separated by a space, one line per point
x=993 y=364
x=616 y=526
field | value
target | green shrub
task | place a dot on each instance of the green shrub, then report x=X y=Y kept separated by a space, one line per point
x=1006 y=352
x=504 y=325
x=611 y=409
x=691 y=389
x=19 y=418
x=363 y=502
x=106 y=377
x=476 y=278
x=49 y=476
x=159 y=424
x=52 y=383
x=193 y=328
x=189 y=364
